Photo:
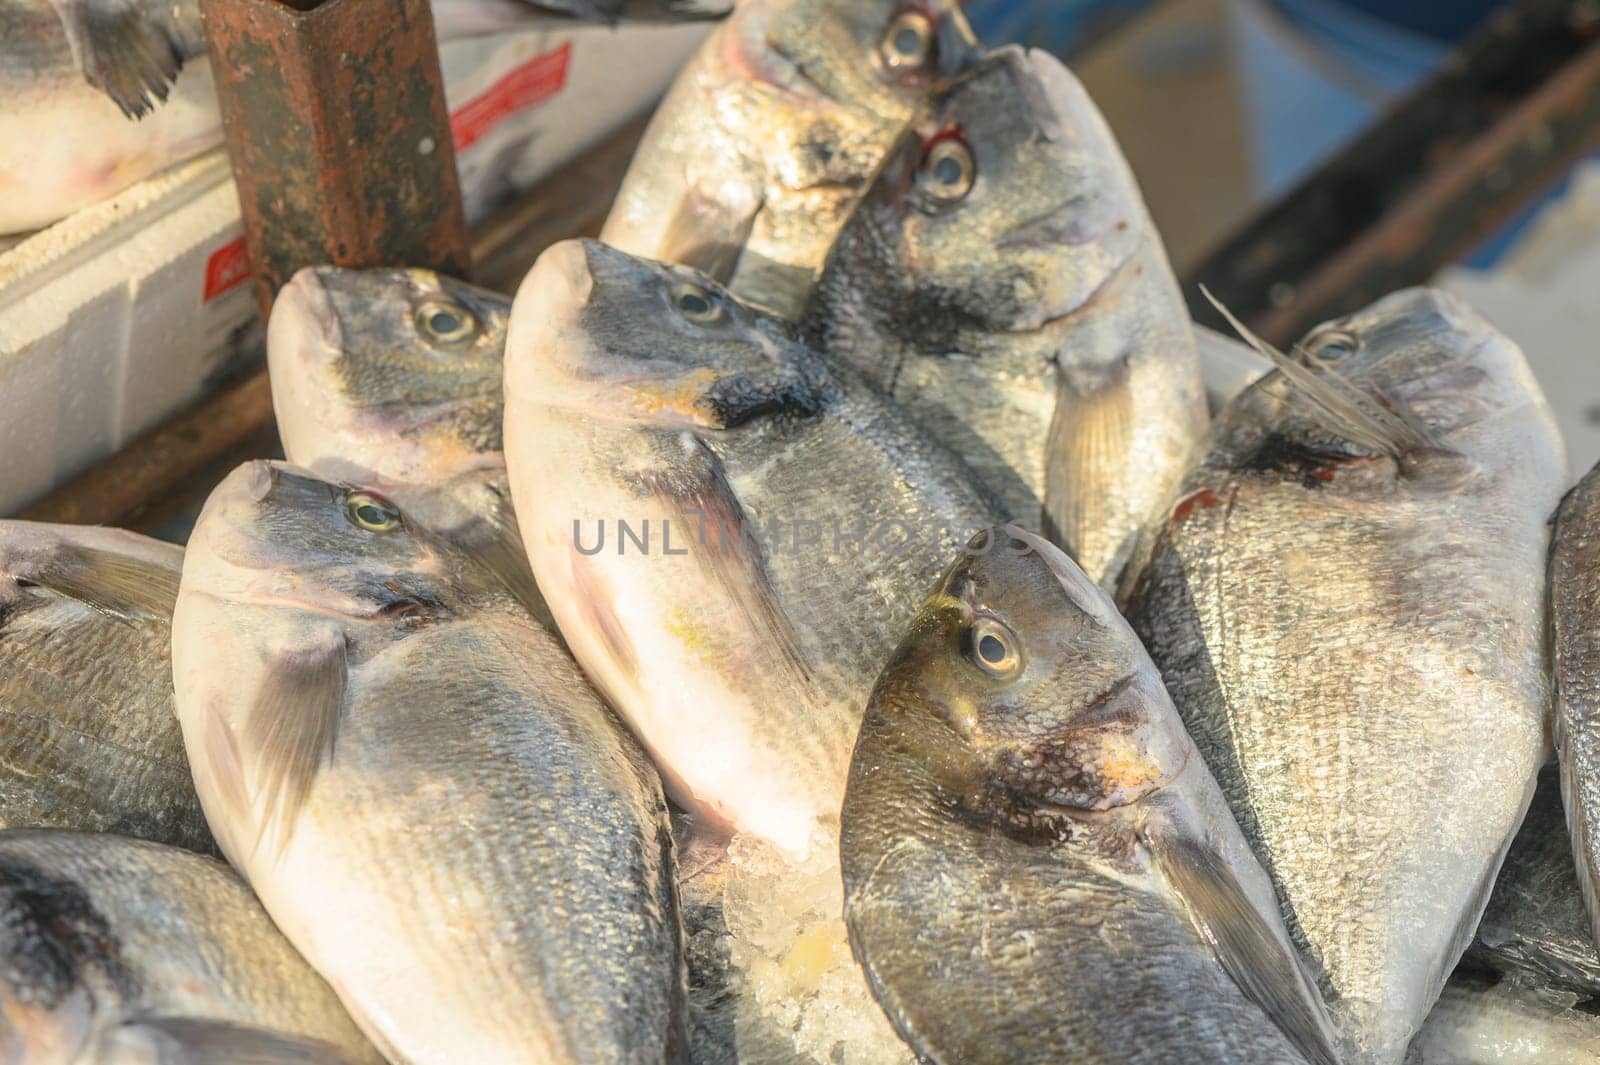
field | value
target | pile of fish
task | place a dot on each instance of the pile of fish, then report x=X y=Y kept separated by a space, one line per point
x=821 y=621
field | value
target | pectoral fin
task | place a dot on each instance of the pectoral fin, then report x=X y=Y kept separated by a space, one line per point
x=1254 y=953
x=187 y=1041
x=503 y=554
x=708 y=235
x=291 y=730
x=730 y=556
x=118 y=586
x=131 y=50
x=1088 y=463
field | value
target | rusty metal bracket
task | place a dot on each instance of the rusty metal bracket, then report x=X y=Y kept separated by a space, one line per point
x=1503 y=118
x=336 y=125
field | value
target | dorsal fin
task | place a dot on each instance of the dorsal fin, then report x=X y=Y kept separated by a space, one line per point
x=1342 y=407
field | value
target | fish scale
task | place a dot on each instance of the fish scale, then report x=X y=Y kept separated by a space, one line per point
x=88 y=740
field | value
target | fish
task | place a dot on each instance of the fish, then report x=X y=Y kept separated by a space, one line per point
x=124 y=950
x=729 y=527
x=1037 y=864
x=776 y=125
x=1483 y=1019
x=1535 y=925
x=1574 y=619
x=392 y=379
x=1344 y=597
x=1003 y=281
x=419 y=785
x=88 y=740
x=101 y=94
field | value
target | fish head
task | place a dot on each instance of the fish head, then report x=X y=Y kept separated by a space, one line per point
x=1006 y=207
x=275 y=534
x=610 y=335
x=387 y=376
x=1025 y=693
x=1427 y=351
x=870 y=55
x=1415 y=386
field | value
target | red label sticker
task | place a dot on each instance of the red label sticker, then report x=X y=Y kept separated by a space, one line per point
x=526 y=86
x=228 y=266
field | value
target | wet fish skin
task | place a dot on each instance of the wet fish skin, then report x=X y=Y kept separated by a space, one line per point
x=1575 y=650
x=88 y=740
x=1535 y=926
x=1037 y=866
x=114 y=944
x=420 y=786
x=1377 y=741
x=391 y=379
x=1032 y=323
x=775 y=126
x=743 y=666
x=1483 y=1020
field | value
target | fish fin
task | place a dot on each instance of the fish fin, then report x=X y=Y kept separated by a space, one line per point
x=1257 y=958
x=191 y=1041
x=1343 y=408
x=222 y=756
x=707 y=499
x=1090 y=436
x=128 y=589
x=706 y=235
x=293 y=726
x=503 y=554
x=131 y=51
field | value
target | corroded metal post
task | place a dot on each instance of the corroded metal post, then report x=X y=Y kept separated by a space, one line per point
x=337 y=129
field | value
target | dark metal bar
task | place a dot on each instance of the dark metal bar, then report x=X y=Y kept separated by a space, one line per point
x=336 y=125
x=1496 y=126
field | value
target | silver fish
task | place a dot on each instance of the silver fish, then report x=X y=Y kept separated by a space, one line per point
x=121 y=950
x=1037 y=865
x=1575 y=647
x=795 y=518
x=418 y=783
x=773 y=129
x=1345 y=599
x=88 y=740
x=1003 y=281
x=391 y=379
x=1481 y=1020
x=1536 y=923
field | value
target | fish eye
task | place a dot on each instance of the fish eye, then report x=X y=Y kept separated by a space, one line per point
x=908 y=42
x=696 y=304
x=446 y=322
x=947 y=171
x=993 y=648
x=1332 y=345
x=372 y=512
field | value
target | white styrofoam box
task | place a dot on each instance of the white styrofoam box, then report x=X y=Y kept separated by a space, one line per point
x=123 y=313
